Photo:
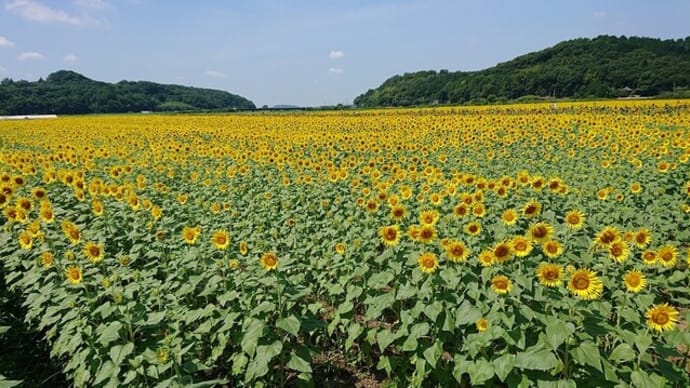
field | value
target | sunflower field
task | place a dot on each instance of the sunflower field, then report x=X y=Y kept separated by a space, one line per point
x=519 y=245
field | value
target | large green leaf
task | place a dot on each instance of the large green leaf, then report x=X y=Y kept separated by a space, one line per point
x=536 y=358
x=557 y=332
x=587 y=354
x=290 y=324
x=118 y=353
x=622 y=352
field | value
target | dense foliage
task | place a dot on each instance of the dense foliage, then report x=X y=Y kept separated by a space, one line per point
x=525 y=245
x=67 y=92
x=605 y=66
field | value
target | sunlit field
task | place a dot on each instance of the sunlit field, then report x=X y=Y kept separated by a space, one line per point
x=521 y=245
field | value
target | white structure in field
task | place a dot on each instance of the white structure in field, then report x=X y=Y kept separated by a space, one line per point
x=28 y=117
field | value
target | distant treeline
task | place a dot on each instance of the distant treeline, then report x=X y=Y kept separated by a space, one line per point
x=67 y=92
x=606 y=66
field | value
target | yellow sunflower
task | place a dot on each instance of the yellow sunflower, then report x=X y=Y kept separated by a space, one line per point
x=461 y=210
x=606 y=236
x=634 y=281
x=47 y=259
x=269 y=261
x=189 y=234
x=427 y=234
x=667 y=255
x=428 y=262
x=649 y=257
x=501 y=284
x=585 y=284
x=486 y=258
x=550 y=275
x=662 y=317
x=429 y=217
x=398 y=212
x=552 y=249
x=457 y=251
x=509 y=217
x=340 y=248
x=220 y=239
x=25 y=240
x=522 y=246
x=642 y=238
x=390 y=235
x=502 y=251
x=74 y=274
x=93 y=251
x=531 y=209
x=473 y=228
x=71 y=231
x=541 y=232
x=619 y=251
x=574 y=219
x=482 y=324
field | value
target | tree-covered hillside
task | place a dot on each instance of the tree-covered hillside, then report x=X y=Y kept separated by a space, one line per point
x=605 y=66
x=67 y=92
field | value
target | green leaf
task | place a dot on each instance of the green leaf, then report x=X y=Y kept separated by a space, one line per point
x=503 y=365
x=4 y=329
x=643 y=341
x=433 y=353
x=386 y=337
x=380 y=280
x=258 y=367
x=642 y=379
x=536 y=359
x=118 y=353
x=480 y=371
x=290 y=324
x=467 y=314
x=622 y=352
x=8 y=383
x=109 y=333
x=298 y=363
x=155 y=318
x=353 y=331
x=588 y=354
x=405 y=292
x=106 y=370
x=433 y=310
x=557 y=332
x=252 y=335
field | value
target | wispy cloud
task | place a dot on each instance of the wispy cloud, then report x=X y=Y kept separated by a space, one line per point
x=30 y=56
x=70 y=58
x=599 y=14
x=336 y=54
x=93 y=4
x=335 y=70
x=214 y=74
x=38 y=12
x=4 y=42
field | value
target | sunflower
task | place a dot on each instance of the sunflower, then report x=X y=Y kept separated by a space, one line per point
x=509 y=217
x=74 y=274
x=390 y=235
x=686 y=188
x=428 y=262
x=220 y=239
x=502 y=251
x=47 y=259
x=662 y=317
x=634 y=281
x=340 y=248
x=479 y=210
x=619 y=250
x=189 y=234
x=93 y=251
x=97 y=207
x=649 y=257
x=372 y=206
x=156 y=212
x=25 y=204
x=473 y=228
x=427 y=234
x=71 y=231
x=398 y=212
x=482 y=324
x=269 y=261
x=429 y=217
x=522 y=246
x=244 y=248
x=501 y=284
x=574 y=219
x=457 y=251
x=550 y=275
x=635 y=187
x=540 y=232
x=486 y=258
x=460 y=210
x=25 y=240
x=531 y=209
x=585 y=284
x=642 y=238
x=552 y=249
x=667 y=255
x=606 y=236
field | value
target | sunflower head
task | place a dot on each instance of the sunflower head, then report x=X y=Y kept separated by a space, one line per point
x=482 y=324
x=390 y=235
x=634 y=281
x=427 y=262
x=662 y=317
x=574 y=219
x=220 y=239
x=585 y=284
x=457 y=251
x=269 y=261
x=501 y=284
x=550 y=275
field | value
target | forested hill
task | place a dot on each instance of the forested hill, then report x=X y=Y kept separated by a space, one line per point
x=67 y=92
x=605 y=66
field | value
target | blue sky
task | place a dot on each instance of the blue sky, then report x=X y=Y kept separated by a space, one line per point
x=308 y=52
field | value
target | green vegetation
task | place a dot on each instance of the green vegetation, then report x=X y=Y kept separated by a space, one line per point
x=67 y=92
x=605 y=66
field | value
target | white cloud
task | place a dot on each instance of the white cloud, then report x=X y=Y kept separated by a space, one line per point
x=599 y=14
x=38 y=12
x=336 y=54
x=4 y=42
x=28 y=56
x=215 y=74
x=335 y=70
x=70 y=58
x=93 y=4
